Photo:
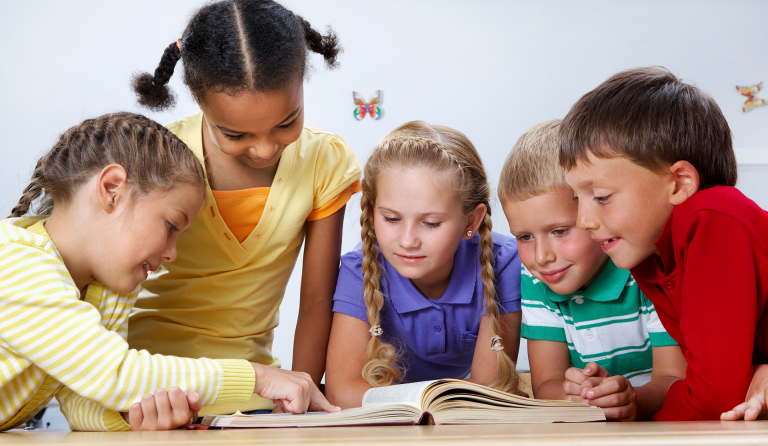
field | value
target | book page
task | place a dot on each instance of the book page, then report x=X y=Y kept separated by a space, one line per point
x=409 y=394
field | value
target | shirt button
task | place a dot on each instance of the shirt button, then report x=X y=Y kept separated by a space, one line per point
x=589 y=334
x=271 y=208
x=579 y=300
x=258 y=235
x=279 y=179
x=670 y=285
x=437 y=329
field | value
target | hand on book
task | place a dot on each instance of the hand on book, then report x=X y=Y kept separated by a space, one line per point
x=754 y=408
x=293 y=392
x=164 y=410
x=593 y=385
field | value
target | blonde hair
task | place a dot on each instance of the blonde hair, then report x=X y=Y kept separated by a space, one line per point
x=533 y=167
x=418 y=144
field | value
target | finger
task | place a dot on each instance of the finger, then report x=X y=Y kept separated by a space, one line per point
x=164 y=411
x=150 y=413
x=620 y=413
x=572 y=388
x=136 y=417
x=736 y=413
x=194 y=401
x=612 y=400
x=179 y=407
x=594 y=369
x=576 y=399
x=575 y=375
x=615 y=384
x=589 y=384
x=278 y=408
x=753 y=408
x=320 y=401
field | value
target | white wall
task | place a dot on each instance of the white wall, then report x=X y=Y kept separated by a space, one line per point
x=489 y=68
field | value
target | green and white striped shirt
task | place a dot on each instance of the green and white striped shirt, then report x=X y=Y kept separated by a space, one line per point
x=611 y=323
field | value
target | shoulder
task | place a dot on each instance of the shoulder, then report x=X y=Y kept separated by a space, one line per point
x=317 y=141
x=26 y=231
x=181 y=126
x=353 y=260
x=504 y=251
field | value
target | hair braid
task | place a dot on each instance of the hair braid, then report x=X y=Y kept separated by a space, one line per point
x=380 y=368
x=33 y=190
x=507 y=379
x=153 y=90
x=327 y=46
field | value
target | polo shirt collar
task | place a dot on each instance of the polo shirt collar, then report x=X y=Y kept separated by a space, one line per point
x=406 y=297
x=607 y=286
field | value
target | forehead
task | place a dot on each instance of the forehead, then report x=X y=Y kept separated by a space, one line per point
x=253 y=112
x=596 y=171
x=416 y=190
x=541 y=211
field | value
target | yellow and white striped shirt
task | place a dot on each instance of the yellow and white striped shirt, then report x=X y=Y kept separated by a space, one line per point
x=53 y=343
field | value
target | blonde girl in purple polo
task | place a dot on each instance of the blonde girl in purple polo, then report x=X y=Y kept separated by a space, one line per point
x=430 y=292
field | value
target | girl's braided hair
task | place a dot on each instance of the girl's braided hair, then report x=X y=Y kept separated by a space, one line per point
x=418 y=144
x=154 y=160
x=237 y=45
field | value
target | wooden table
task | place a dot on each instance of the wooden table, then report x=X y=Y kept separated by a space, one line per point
x=645 y=434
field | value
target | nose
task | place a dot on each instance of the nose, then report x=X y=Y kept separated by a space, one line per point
x=543 y=252
x=264 y=148
x=408 y=238
x=585 y=219
x=169 y=253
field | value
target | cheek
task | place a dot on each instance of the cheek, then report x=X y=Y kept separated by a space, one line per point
x=526 y=253
x=578 y=247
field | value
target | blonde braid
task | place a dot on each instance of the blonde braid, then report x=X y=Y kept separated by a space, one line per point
x=380 y=369
x=507 y=379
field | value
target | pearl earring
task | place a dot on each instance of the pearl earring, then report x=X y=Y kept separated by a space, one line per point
x=469 y=233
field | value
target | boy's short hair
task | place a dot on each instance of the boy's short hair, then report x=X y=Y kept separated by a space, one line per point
x=652 y=118
x=532 y=167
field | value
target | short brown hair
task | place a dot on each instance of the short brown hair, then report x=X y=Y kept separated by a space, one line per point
x=653 y=119
x=532 y=167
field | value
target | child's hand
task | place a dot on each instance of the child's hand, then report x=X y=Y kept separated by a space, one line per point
x=757 y=395
x=293 y=392
x=614 y=394
x=164 y=410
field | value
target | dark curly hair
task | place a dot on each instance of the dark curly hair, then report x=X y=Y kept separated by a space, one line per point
x=237 y=45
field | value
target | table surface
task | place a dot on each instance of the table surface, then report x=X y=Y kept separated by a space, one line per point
x=640 y=433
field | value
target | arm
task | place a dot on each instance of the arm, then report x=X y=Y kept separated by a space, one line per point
x=755 y=405
x=549 y=361
x=668 y=366
x=322 y=251
x=484 y=367
x=345 y=385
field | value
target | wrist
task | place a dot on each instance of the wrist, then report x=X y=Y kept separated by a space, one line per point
x=258 y=372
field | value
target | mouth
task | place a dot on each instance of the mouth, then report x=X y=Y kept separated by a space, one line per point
x=608 y=243
x=555 y=274
x=148 y=267
x=409 y=258
x=266 y=161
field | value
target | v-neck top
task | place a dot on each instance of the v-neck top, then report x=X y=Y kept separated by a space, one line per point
x=220 y=298
x=436 y=337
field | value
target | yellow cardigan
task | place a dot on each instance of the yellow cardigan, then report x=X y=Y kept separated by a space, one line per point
x=52 y=343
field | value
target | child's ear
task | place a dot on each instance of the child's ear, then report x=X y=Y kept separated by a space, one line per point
x=475 y=219
x=111 y=183
x=686 y=179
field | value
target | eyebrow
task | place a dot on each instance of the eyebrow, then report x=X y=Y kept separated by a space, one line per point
x=381 y=208
x=186 y=218
x=228 y=130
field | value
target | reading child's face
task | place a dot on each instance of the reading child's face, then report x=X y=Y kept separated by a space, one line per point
x=419 y=224
x=623 y=206
x=551 y=247
x=144 y=235
x=254 y=127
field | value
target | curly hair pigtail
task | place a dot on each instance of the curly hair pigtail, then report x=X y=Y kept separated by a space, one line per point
x=327 y=46
x=153 y=90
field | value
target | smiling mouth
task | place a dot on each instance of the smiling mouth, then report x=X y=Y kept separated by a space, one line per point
x=410 y=259
x=605 y=242
x=554 y=275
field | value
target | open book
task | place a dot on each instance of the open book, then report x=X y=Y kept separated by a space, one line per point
x=444 y=401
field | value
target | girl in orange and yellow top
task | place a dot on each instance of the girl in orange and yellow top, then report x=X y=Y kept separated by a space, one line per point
x=273 y=182
x=114 y=195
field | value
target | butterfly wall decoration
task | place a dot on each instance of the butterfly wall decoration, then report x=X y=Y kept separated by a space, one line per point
x=367 y=108
x=750 y=92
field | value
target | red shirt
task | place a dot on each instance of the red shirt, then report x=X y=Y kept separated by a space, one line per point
x=709 y=284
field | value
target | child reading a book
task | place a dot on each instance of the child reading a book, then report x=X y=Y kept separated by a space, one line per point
x=431 y=292
x=651 y=161
x=586 y=321
x=112 y=197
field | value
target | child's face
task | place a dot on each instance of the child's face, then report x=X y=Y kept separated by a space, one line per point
x=418 y=224
x=623 y=206
x=255 y=128
x=143 y=236
x=550 y=245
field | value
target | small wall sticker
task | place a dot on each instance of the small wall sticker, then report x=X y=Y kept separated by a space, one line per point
x=371 y=107
x=750 y=92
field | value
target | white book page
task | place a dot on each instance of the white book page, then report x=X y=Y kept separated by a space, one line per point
x=408 y=394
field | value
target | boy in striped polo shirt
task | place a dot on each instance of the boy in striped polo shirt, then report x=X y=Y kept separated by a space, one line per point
x=592 y=335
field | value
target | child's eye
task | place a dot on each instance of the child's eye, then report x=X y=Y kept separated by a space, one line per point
x=602 y=200
x=289 y=125
x=525 y=237
x=391 y=219
x=560 y=231
x=431 y=225
x=232 y=137
x=171 y=228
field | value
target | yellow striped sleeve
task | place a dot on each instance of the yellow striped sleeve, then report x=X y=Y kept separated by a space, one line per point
x=43 y=322
x=85 y=415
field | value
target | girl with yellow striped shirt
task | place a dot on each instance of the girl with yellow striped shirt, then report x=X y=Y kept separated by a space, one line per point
x=111 y=198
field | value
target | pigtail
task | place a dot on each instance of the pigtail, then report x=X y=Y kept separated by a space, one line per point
x=507 y=379
x=327 y=46
x=380 y=369
x=153 y=90
x=33 y=190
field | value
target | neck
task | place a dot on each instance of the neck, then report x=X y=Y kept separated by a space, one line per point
x=66 y=230
x=433 y=286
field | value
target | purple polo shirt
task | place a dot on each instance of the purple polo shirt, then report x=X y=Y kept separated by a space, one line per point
x=436 y=338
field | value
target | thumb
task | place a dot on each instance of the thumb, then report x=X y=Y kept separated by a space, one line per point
x=194 y=401
x=593 y=369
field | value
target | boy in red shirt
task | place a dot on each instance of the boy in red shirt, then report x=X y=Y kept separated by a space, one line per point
x=651 y=162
